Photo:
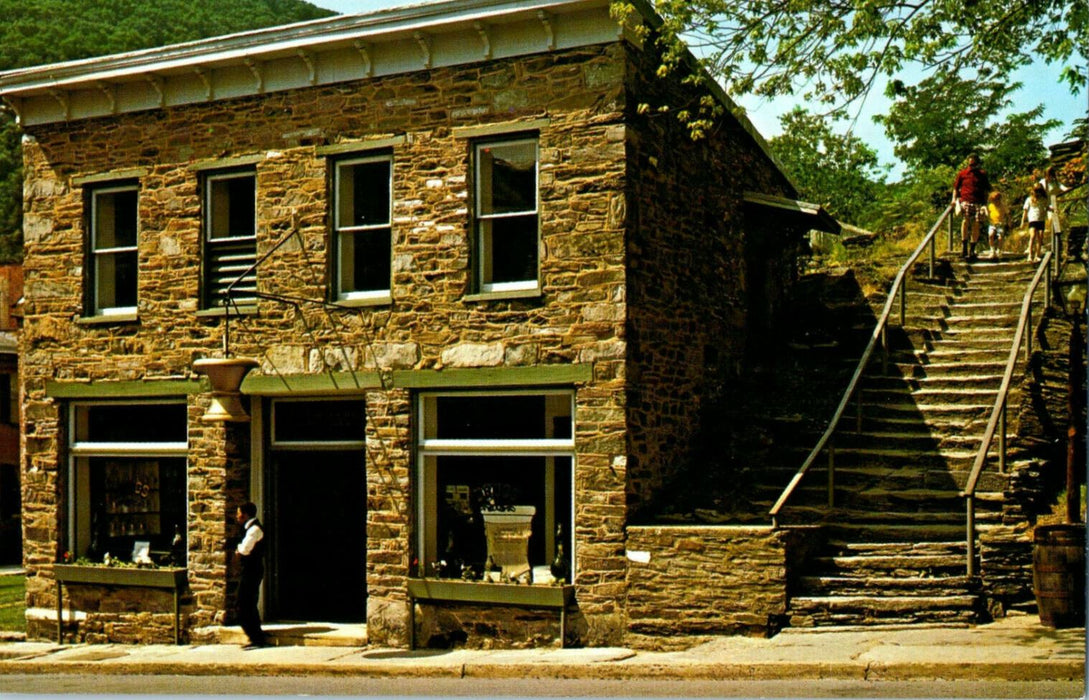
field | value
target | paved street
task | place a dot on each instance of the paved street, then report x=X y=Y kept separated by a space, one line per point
x=462 y=687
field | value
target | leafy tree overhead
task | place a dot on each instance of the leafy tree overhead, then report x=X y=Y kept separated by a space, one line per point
x=833 y=50
x=838 y=171
x=944 y=118
x=35 y=32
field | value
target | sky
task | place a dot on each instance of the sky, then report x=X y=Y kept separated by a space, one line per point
x=1040 y=85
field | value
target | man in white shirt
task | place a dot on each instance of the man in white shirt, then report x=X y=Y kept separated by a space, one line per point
x=251 y=551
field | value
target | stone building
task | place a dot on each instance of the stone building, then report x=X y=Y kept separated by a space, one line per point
x=11 y=293
x=466 y=262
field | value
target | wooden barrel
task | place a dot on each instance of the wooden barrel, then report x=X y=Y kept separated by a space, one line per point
x=1058 y=575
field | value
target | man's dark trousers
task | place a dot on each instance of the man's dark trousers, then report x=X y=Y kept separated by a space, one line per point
x=253 y=570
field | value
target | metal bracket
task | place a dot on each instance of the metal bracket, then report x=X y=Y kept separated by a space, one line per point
x=365 y=56
x=255 y=68
x=483 y=32
x=547 y=24
x=425 y=47
x=156 y=84
x=308 y=59
x=61 y=97
x=110 y=93
x=203 y=75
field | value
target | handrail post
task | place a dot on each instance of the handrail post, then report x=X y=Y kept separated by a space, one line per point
x=858 y=411
x=1002 y=438
x=1028 y=334
x=1051 y=274
x=884 y=350
x=903 y=302
x=831 y=474
x=971 y=534
x=933 y=245
x=950 y=227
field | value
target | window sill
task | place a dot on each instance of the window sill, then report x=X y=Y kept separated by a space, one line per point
x=384 y=300
x=172 y=577
x=454 y=591
x=240 y=310
x=106 y=319
x=499 y=296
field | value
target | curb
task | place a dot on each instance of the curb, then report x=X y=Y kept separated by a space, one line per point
x=1044 y=670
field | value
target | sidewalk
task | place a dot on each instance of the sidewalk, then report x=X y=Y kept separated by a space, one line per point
x=1015 y=648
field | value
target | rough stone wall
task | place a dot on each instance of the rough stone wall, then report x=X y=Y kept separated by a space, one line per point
x=705 y=580
x=1037 y=469
x=687 y=277
x=579 y=317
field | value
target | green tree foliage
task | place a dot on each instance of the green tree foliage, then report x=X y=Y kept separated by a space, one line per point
x=36 y=32
x=838 y=171
x=944 y=118
x=835 y=49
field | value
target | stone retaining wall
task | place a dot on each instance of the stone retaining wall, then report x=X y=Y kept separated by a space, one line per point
x=705 y=580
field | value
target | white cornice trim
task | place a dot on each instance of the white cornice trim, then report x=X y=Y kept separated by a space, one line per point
x=319 y=52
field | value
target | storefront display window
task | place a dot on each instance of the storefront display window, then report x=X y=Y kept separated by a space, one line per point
x=512 y=451
x=128 y=481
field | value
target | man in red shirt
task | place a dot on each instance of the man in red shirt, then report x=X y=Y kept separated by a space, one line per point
x=970 y=197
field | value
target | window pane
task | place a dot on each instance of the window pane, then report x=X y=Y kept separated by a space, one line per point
x=508 y=178
x=115 y=219
x=522 y=477
x=319 y=421
x=509 y=249
x=134 y=499
x=364 y=259
x=232 y=204
x=134 y=423
x=491 y=417
x=363 y=194
x=115 y=279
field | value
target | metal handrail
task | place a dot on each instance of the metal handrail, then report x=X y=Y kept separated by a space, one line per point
x=998 y=413
x=899 y=285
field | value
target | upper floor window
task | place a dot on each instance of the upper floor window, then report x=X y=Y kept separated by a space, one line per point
x=506 y=215
x=362 y=193
x=114 y=227
x=230 y=225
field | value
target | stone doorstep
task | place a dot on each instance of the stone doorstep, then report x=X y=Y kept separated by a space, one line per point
x=306 y=634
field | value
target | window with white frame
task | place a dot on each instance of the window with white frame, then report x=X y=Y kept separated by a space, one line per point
x=114 y=227
x=127 y=479
x=506 y=215
x=362 y=192
x=515 y=443
x=230 y=226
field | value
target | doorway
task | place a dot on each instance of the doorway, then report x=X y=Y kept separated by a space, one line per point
x=318 y=517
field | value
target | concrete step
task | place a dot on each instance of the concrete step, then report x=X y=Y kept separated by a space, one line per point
x=314 y=634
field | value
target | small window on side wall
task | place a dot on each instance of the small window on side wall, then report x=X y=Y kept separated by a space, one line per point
x=230 y=226
x=362 y=193
x=506 y=215
x=114 y=224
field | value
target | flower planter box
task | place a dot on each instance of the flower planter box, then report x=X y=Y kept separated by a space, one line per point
x=472 y=592
x=173 y=579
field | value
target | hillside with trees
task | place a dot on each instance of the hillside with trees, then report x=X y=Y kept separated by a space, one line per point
x=36 y=32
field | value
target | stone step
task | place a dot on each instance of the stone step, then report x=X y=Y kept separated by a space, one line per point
x=857 y=548
x=934 y=394
x=950 y=381
x=899 y=585
x=815 y=611
x=982 y=364
x=885 y=532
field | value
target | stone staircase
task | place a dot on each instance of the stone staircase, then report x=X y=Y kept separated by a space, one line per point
x=892 y=549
